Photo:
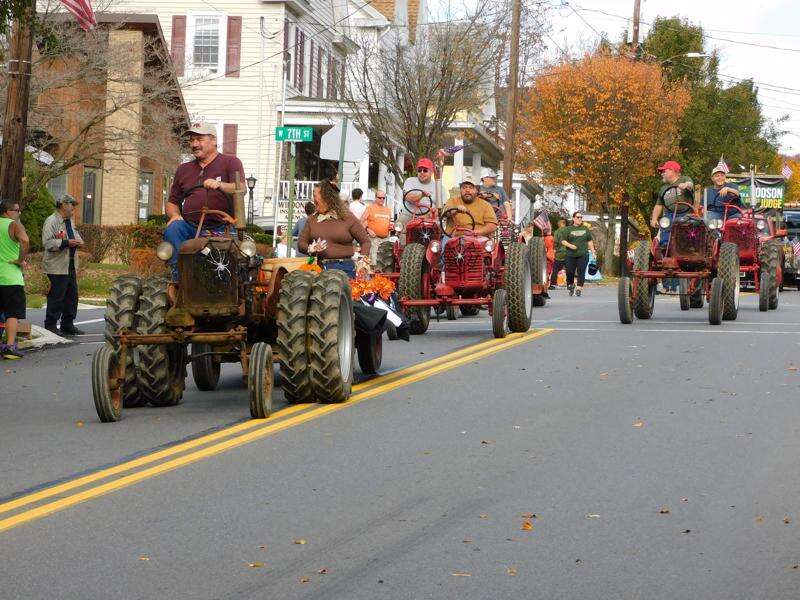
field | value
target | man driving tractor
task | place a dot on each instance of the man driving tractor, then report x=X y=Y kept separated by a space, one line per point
x=676 y=188
x=206 y=182
x=721 y=194
x=478 y=208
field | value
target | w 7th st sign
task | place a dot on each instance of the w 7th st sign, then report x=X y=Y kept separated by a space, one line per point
x=294 y=134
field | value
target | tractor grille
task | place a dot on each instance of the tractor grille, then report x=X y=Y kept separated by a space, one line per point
x=423 y=235
x=463 y=264
x=689 y=241
x=208 y=279
x=743 y=235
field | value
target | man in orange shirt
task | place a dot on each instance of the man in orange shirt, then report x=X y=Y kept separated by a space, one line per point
x=377 y=220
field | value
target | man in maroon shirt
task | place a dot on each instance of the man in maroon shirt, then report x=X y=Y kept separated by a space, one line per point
x=207 y=181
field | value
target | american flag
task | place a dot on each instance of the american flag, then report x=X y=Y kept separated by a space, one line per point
x=542 y=221
x=454 y=149
x=722 y=166
x=786 y=171
x=796 y=247
x=82 y=9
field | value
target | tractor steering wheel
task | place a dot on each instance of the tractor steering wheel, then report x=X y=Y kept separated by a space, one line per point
x=416 y=208
x=452 y=211
x=203 y=224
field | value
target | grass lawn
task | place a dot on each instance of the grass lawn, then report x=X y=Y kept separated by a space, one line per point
x=93 y=282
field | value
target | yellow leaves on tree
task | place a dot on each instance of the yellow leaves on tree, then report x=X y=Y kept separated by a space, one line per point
x=601 y=124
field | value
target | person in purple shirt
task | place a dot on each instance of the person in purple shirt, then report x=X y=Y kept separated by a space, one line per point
x=208 y=181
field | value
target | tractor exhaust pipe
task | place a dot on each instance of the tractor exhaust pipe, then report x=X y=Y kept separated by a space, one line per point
x=238 y=207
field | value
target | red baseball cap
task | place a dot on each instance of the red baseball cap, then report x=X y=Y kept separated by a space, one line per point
x=670 y=164
x=425 y=162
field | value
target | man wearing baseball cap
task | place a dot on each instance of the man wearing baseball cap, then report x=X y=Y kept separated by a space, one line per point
x=208 y=181
x=480 y=210
x=676 y=188
x=721 y=193
x=495 y=195
x=420 y=191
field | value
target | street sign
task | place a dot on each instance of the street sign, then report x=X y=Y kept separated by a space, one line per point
x=294 y=134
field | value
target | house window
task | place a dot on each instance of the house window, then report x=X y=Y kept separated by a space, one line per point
x=207 y=33
x=58 y=186
x=145 y=196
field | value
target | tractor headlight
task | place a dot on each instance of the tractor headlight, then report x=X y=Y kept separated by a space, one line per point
x=488 y=246
x=398 y=227
x=164 y=251
x=248 y=248
x=761 y=225
x=435 y=247
x=663 y=222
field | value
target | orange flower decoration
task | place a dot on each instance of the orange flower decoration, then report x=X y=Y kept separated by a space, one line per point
x=310 y=266
x=378 y=285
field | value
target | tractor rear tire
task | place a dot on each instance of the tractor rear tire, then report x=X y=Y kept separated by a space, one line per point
x=260 y=378
x=370 y=352
x=412 y=268
x=644 y=300
x=518 y=287
x=121 y=307
x=107 y=398
x=685 y=300
x=697 y=299
x=715 y=303
x=331 y=338
x=205 y=370
x=469 y=310
x=728 y=271
x=450 y=310
x=763 y=291
x=624 y=301
x=291 y=341
x=538 y=261
x=162 y=368
x=499 y=305
x=384 y=260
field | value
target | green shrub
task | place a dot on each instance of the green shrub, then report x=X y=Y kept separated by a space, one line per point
x=158 y=220
x=262 y=238
x=34 y=214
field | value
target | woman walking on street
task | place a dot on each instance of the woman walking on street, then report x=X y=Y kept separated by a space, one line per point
x=578 y=242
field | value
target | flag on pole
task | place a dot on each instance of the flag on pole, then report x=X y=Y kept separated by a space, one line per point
x=786 y=171
x=82 y=10
x=722 y=166
x=542 y=221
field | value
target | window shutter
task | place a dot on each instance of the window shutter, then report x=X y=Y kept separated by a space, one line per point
x=320 y=83
x=178 y=46
x=300 y=76
x=230 y=132
x=296 y=49
x=312 y=80
x=330 y=76
x=234 y=50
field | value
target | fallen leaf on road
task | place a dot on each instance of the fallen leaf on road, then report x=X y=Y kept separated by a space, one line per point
x=638 y=423
x=512 y=572
x=592 y=516
x=300 y=542
x=796 y=567
x=787 y=520
x=262 y=547
x=78 y=423
x=686 y=531
x=684 y=499
x=144 y=557
x=663 y=511
x=530 y=516
x=483 y=516
x=487 y=442
x=603 y=375
x=255 y=565
x=759 y=519
x=467 y=541
x=462 y=574
x=578 y=561
x=304 y=579
x=527 y=526
x=793 y=368
x=323 y=571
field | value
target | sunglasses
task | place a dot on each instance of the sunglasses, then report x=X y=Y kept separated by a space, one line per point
x=422 y=170
x=16 y=210
x=578 y=217
x=381 y=197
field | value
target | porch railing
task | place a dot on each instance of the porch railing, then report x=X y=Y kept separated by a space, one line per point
x=304 y=192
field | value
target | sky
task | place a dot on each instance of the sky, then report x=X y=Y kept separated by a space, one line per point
x=758 y=23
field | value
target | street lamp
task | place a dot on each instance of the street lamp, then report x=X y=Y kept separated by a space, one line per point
x=685 y=55
x=251 y=185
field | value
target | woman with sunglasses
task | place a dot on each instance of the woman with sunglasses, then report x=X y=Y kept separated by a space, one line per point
x=578 y=242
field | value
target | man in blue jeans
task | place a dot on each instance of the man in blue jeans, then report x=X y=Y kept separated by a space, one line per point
x=208 y=181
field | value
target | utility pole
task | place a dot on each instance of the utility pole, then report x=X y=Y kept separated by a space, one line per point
x=623 y=209
x=511 y=106
x=15 y=122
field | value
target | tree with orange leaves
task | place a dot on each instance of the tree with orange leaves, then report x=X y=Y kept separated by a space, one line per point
x=601 y=124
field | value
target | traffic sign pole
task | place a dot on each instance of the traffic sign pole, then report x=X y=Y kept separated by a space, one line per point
x=341 y=152
x=292 y=173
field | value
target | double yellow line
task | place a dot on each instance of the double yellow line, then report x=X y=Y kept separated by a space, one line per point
x=239 y=435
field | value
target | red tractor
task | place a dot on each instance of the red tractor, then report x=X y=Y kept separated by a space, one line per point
x=705 y=267
x=759 y=251
x=477 y=272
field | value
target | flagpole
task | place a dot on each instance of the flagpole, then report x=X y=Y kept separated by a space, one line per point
x=15 y=121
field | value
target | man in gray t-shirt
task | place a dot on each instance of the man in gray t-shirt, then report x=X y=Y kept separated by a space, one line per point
x=496 y=196
x=423 y=181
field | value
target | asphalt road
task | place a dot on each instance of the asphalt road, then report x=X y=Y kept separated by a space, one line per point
x=585 y=460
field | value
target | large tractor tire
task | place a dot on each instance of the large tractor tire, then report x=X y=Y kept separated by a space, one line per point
x=624 y=301
x=370 y=352
x=107 y=395
x=412 y=268
x=728 y=271
x=205 y=370
x=331 y=338
x=384 y=262
x=499 y=312
x=291 y=342
x=260 y=377
x=468 y=310
x=162 y=368
x=644 y=300
x=538 y=268
x=121 y=307
x=517 y=284
x=763 y=291
x=685 y=300
x=716 y=301
x=775 y=266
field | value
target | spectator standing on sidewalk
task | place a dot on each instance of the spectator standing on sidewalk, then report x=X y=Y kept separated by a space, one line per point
x=300 y=225
x=14 y=246
x=560 y=253
x=377 y=220
x=577 y=240
x=357 y=206
x=60 y=263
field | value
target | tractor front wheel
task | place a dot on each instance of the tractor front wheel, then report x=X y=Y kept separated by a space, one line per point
x=775 y=257
x=162 y=368
x=370 y=352
x=645 y=296
x=105 y=390
x=291 y=341
x=763 y=291
x=518 y=287
x=121 y=307
x=728 y=271
x=686 y=301
x=410 y=285
x=716 y=301
x=499 y=304
x=260 y=376
x=624 y=301
x=205 y=370
x=331 y=338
